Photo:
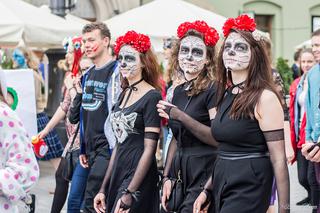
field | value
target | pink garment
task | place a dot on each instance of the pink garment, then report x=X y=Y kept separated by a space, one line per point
x=19 y=169
x=65 y=105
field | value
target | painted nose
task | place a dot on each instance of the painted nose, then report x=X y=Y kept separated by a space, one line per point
x=123 y=64
x=189 y=57
x=231 y=52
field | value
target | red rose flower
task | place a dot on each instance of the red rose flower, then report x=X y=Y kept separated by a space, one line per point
x=210 y=35
x=242 y=22
x=138 y=41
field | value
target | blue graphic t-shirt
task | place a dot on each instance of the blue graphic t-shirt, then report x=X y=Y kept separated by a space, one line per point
x=94 y=103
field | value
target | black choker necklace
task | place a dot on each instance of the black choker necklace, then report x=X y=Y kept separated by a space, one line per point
x=131 y=88
x=239 y=85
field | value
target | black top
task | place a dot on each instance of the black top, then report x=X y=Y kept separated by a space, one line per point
x=198 y=108
x=94 y=103
x=132 y=120
x=242 y=136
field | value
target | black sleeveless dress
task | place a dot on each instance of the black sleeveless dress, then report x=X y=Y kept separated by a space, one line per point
x=243 y=172
x=193 y=157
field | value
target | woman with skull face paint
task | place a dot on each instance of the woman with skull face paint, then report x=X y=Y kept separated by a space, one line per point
x=130 y=183
x=188 y=158
x=248 y=126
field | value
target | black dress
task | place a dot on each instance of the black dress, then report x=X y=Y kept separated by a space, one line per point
x=195 y=158
x=243 y=172
x=129 y=124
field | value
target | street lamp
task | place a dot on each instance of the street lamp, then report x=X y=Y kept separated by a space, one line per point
x=59 y=7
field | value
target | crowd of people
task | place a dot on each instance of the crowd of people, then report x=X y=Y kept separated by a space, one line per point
x=220 y=116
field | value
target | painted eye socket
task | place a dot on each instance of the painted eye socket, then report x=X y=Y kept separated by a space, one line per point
x=197 y=52
x=241 y=47
x=227 y=46
x=130 y=58
x=184 y=50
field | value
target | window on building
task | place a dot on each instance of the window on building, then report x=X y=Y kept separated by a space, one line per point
x=264 y=22
x=315 y=23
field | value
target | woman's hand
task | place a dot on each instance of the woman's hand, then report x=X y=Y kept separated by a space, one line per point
x=201 y=199
x=124 y=204
x=166 y=191
x=311 y=152
x=77 y=83
x=43 y=133
x=99 y=203
x=164 y=109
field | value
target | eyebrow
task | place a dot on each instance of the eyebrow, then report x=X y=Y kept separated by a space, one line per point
x=237 y=43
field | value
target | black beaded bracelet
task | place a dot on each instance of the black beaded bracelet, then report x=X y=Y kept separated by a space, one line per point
x=134 y=195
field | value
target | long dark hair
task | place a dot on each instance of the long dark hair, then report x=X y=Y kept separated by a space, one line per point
x=206 y=76
x=259 y=78
x=150 y=70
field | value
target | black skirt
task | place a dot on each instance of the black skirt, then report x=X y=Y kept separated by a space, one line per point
x=242 y=186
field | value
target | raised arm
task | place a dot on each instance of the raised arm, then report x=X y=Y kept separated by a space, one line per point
x=198 y=129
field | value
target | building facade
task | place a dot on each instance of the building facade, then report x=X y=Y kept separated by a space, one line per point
x=289 y=22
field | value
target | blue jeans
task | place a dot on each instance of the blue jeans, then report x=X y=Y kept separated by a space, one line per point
x=78 y=186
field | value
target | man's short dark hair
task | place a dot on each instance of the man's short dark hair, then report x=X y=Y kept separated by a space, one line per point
x=104 y=30
x=316 y=33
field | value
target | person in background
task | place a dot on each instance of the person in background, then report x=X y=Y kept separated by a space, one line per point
x=19 y=170
x=25 y=59
x=298 y=91
x=312 y=110
x=73 y=59
x=296 y=65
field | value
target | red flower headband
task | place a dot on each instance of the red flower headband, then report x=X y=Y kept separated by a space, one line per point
x=138 y=41
x=210 y=35
x=242 y=22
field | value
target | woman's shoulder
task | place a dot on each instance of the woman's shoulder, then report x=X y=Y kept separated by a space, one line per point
x=153 y=94
x=268 y=97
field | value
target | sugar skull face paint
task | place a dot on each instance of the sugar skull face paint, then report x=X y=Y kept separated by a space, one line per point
x=236 y=52
x=129 y=61
x=192 y=55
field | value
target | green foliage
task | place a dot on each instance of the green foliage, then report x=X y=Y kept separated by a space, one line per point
x=6 y=62
x=285 y=72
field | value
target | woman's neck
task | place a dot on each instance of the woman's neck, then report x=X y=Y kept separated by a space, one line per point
x=190 y=77
x=239 y=76
x=134 y=80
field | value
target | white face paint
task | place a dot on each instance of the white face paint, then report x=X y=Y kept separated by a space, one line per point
x=129 y=62
x=236 y=52
x=192 y=55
